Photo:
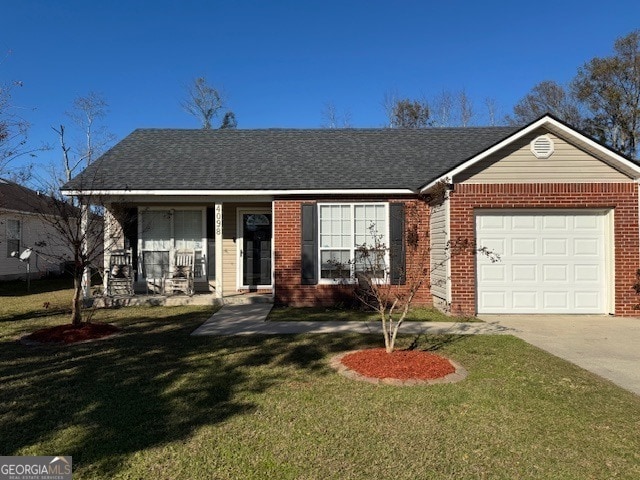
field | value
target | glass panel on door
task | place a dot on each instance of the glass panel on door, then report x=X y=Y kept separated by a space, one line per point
x=256 y=249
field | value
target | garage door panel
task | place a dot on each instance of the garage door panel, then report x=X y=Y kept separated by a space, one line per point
x=587 y=299
x=586 y=273
x=523 y=246
x=493 y=272
x=524 y=273
x=556 y=300
x=554 y=273
x=494 y=245
x=586 y=246
x=523 y=222
x=554 y=246
x=495 y=300
x=586 y=222
x=555 y=223
x=493 y=222
x=550 y=262
x=524 y=299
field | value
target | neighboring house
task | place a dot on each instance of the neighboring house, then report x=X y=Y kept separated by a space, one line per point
x=279 y=210
x=22 y=226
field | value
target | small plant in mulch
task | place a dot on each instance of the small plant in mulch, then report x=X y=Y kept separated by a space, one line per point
x=399 y=364
x=70 y=333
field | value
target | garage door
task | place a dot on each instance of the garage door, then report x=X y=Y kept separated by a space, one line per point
x=549 y=262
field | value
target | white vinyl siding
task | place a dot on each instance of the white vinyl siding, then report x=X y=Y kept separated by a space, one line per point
x=550 y=262
x=517 y=164
x=439 y=234
x=345 y=227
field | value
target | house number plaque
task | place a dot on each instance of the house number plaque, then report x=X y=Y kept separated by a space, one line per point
x=218 y=219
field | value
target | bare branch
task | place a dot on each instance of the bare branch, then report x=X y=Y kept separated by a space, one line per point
x=204 y=102
x=332 y=118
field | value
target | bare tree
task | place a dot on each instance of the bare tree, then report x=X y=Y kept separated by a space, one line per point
x=466 y=109
x=442 y=108
x=206 y=103
x=389 y=101
x=331 y=118
x=72 y=235
x=492 y=111
x=86 y=117
x=393 y=301
x=81 y=232
x=13 y=136
x=457 y=109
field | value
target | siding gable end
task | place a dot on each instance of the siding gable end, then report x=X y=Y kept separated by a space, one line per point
x=516 y=163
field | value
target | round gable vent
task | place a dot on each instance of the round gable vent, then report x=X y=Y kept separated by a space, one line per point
x=542 y=146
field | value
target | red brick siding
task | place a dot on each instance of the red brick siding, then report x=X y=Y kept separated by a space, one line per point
x=622 y=197
x=287 y=248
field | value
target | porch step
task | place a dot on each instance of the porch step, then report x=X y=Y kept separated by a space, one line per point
x=247 y=299
x=173 y=300
x=155 y=300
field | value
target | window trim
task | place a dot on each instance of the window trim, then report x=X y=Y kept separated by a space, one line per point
x=8 y=239
x=351 y=279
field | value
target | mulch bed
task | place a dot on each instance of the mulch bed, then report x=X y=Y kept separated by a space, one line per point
x=70 y=333
x=402 y=367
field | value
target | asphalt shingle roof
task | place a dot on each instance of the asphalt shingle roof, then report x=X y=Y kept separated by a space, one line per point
x=22 y=199
x=284 y=159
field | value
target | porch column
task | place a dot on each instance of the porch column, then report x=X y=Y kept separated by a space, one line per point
x=84 y=233
x=218 y=247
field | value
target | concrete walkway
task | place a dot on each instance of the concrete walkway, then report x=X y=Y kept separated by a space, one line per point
x=607 y=346
x=250 y=320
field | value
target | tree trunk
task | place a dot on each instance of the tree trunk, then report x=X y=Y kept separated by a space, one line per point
x=76 y=307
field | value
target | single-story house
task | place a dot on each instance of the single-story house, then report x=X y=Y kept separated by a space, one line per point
x=281 y=209
x=23 y=226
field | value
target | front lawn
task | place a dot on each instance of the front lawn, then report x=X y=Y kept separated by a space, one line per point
x=154 y=402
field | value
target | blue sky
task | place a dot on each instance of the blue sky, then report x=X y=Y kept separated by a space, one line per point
x=281 y=61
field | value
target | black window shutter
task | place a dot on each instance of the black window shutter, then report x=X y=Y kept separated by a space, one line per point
x=309 y=261
x=396 y=243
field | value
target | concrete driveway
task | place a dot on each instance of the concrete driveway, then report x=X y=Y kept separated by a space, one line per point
x=607 y=346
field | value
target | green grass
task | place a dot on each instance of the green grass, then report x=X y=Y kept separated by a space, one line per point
x=296 y=314
x=154 y=402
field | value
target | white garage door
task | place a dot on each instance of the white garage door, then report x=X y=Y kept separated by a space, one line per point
x=549 y=262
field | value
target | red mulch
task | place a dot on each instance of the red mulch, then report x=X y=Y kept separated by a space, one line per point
x=401 y=364
x=70 y=333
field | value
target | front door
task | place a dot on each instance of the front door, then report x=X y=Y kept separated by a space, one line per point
x=255 y=253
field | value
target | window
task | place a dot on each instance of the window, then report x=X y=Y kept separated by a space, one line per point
x=164 y=230
x=343 y=229
x=14 y=236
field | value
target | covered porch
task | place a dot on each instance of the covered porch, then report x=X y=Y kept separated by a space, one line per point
x=231 y=238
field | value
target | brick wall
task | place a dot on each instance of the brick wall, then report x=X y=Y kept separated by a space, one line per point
x=287 y=248
x=622 y=197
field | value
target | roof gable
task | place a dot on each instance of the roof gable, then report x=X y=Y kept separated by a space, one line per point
x=620 y=163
